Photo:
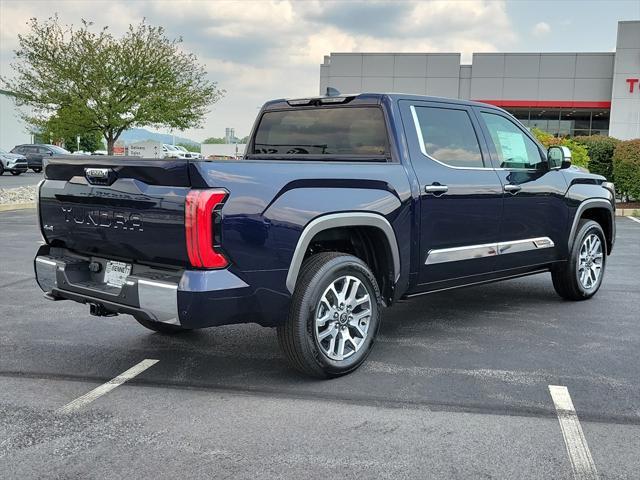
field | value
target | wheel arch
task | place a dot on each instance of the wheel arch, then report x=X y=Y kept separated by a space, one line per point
x=600 y=211
x=345 y=221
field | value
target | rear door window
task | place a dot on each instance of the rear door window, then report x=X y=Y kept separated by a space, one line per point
x=312 y=132
x=447 y=135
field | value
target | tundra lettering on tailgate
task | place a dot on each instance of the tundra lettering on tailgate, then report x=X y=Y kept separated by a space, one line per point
x=103 y=218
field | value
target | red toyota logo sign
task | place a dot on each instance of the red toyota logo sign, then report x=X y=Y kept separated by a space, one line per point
x=633 y=83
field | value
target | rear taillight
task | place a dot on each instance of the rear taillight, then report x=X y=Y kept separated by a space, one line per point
x=201 y=210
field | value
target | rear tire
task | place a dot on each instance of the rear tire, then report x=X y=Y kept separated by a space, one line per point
x=164 y=328
x=580 y=277
x=37 y=170
x=1 y=169
x=334 y=316
x=14 y=173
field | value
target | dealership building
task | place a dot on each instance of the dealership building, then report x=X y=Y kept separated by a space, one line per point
x=562 y=93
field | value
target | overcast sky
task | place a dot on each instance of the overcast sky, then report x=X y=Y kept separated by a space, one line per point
x=259 y=50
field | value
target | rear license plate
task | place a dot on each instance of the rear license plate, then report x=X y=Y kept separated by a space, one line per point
x=116 y=273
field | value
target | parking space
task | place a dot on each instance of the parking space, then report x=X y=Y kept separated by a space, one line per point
x=456 y=387
x=7 y=180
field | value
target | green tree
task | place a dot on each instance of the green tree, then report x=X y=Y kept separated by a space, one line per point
x=600 y=149
x=626 y=168
x=215 y=140
x=93 y=81
x=56 y=129
x=579 y=154
x=192 y=147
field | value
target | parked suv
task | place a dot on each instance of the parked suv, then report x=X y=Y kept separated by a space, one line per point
x=34 y=154
x=171 y=151
x=188 y=154
x=342 y=206
x=12 y=162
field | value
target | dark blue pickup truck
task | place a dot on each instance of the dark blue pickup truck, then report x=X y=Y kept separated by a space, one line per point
x=341 y=206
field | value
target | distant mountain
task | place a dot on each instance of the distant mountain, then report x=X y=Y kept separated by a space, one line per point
x=138 y=134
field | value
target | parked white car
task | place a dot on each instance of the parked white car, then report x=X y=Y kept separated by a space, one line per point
x=171 y=151
x=188 y=154
x=12 y=162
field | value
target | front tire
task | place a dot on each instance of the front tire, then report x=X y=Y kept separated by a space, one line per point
x=37 y=170
x=580 y=277
x=334 y=316
x=164 y=328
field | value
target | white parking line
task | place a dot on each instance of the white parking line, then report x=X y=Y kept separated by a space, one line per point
x=89 y=397
x=577 y=448
x=634 y=219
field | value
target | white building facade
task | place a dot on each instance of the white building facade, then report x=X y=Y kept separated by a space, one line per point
x=561 y=93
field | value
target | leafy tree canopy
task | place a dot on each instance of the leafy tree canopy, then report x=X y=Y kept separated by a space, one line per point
x=626 y=168
x=93 y=81
x=192 y=147
x=223 y=140
x=579 y=154
x=57 y=129
x=214 y=140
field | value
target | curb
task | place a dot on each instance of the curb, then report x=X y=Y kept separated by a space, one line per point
x=16 y=206
x=625 y=212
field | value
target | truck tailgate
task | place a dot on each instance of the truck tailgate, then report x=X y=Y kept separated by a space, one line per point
x=117 y=207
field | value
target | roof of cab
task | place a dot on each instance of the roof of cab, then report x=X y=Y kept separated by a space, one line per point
x=373 y=98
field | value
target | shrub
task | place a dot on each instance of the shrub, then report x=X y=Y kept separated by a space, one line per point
x=626 y=168
x=600 y=151
x=579 y=154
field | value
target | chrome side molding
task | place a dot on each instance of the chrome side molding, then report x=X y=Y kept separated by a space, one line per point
x=469 y=252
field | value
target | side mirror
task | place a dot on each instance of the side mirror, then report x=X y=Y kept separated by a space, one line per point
x=559 y=157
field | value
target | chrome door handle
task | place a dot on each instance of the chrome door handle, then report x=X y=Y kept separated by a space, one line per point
x=436 y=189
x=511 y=188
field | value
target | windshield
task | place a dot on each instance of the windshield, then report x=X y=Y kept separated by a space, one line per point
x=322 y=131
x=58 y=150
x=171 y=147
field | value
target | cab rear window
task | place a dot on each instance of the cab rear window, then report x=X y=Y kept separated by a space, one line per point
x=313 y=132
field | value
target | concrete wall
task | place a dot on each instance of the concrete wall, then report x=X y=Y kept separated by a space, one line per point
x=568 y=77
x=625 y=105
x=436 y=74
x=556 y=80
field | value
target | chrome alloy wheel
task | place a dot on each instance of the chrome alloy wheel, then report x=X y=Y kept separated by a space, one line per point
x=342 y=317
x=590 y=261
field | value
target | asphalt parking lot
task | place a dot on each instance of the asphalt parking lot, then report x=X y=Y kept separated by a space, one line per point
x=12 y=181
x=456 y=387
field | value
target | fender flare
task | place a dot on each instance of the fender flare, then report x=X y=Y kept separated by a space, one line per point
x=335 y=220
x=587 y=205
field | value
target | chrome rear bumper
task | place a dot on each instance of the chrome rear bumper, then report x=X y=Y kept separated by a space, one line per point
x=62 y=277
